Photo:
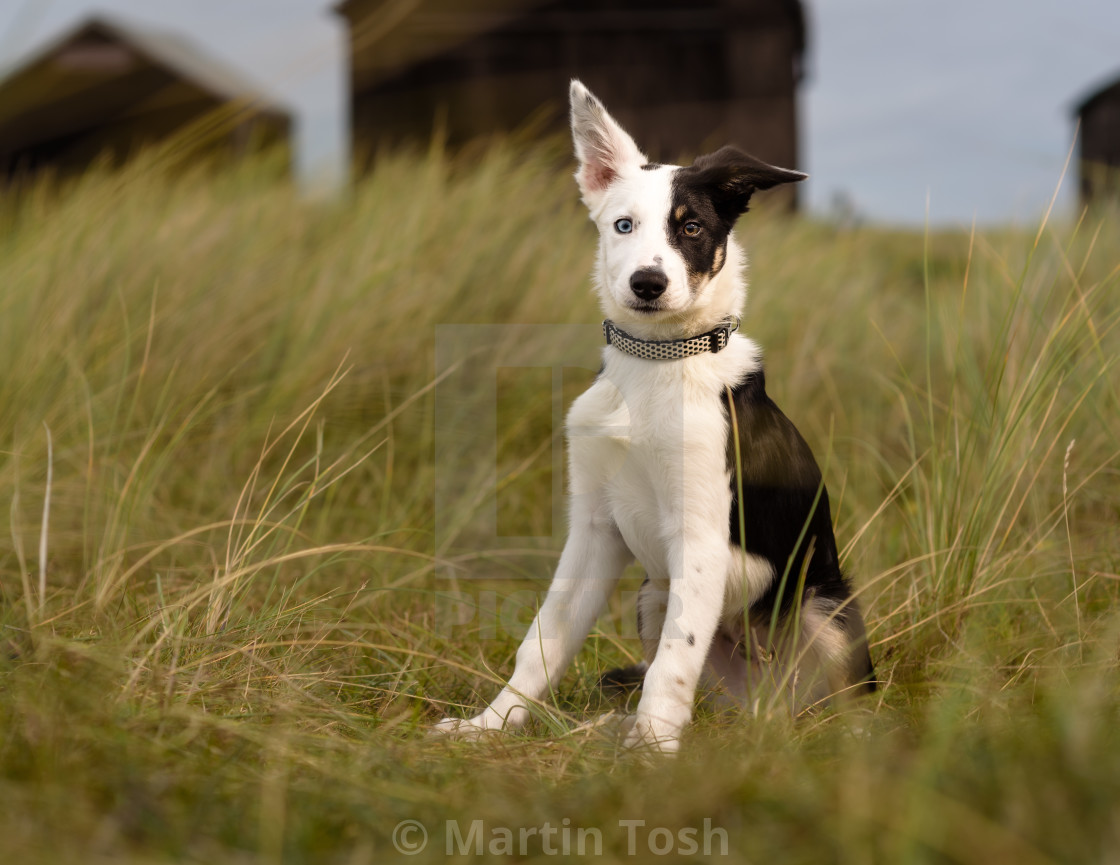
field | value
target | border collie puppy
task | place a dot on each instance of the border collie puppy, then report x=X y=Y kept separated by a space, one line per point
x=680 y=460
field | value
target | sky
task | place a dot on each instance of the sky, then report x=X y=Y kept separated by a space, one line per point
x=968 y=102
x=951 y=110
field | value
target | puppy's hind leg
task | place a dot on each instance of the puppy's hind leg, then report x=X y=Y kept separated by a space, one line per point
x=854 y=673
x=834 y=661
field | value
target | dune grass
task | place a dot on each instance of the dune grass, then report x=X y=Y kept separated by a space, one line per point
x=229 y=542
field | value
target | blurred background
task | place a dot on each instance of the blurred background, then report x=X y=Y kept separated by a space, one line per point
x=245 y=489
x=969 y=106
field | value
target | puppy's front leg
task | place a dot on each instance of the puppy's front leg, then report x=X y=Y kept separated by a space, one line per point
x=697 y=582
x=590 y=565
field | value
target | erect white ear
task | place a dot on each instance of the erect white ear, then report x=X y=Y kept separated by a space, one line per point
x=602 y=146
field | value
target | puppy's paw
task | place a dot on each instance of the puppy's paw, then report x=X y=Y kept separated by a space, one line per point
x=640 y=732
x=468 y=728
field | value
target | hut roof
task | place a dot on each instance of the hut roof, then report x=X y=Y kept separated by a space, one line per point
x=1105 y=87
x=67 y=83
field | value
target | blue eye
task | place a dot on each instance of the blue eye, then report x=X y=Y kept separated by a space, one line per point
x=623 y=226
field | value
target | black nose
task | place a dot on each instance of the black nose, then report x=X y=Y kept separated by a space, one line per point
x=649 y=284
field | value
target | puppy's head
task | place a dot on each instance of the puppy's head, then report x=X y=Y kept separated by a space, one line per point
x=664 y=230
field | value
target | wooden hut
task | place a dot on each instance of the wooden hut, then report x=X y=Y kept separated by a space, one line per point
x=1099 y=163
x=683 y=76
x=105 y=89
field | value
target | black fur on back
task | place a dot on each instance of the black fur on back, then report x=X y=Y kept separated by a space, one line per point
x=780 y=481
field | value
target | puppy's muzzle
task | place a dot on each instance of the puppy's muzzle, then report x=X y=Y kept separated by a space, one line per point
x=649 y=283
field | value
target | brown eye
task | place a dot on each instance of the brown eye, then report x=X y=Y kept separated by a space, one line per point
x=691 y=229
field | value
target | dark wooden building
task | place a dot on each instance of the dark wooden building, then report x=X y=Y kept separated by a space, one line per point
x=683 y=76
x=105 y=89
x=1099 y=163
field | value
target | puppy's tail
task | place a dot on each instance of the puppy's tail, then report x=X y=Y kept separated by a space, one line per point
x=623 y=678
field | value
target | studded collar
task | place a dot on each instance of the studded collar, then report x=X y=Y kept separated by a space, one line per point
x=714 y=340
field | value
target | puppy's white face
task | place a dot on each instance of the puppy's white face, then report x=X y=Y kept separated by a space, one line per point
x=665 y=231
x=640 y=271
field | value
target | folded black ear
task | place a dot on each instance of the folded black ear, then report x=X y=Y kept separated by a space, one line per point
x=732 y=177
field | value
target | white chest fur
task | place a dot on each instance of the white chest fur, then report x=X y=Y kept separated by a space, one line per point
x=648 y=447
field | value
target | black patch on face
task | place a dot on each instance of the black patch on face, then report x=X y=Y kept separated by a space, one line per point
x=703 y=254
x=651 y=166
x=713 y=193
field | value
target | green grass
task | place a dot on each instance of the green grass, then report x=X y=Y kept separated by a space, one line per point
x=222 y=636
